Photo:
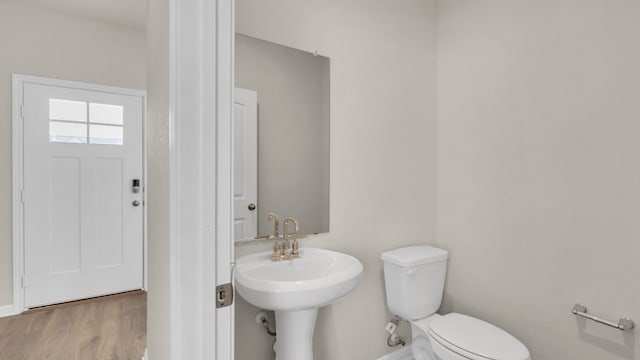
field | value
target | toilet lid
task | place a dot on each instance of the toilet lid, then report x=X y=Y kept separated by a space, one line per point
x=473 y=336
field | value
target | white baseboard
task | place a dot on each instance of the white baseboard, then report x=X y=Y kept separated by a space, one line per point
x=401 y=354
x=7 y=310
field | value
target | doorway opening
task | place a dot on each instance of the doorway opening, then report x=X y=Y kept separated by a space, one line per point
x=79 y=199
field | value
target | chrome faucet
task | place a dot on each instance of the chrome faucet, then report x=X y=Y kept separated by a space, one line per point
x=294 y=253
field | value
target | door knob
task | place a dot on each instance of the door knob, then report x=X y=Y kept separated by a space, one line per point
x=135 y=203
x=251 y=207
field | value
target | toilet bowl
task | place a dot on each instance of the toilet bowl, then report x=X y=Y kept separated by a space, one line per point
x=414 y=282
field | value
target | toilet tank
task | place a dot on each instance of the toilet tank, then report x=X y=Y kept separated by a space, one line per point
x=414 y=280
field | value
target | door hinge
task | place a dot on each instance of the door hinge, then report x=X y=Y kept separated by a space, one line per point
x=22 y=111
x=224 y=295
x=22 y=196
x=22 y=282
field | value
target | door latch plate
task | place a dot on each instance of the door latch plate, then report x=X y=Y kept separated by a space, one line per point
x=224 y=295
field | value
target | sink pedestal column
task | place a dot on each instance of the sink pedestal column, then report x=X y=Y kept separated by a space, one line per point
x=295 y=334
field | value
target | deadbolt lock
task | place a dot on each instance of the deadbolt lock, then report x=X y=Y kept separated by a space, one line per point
x=251 y=207
x=135 y=186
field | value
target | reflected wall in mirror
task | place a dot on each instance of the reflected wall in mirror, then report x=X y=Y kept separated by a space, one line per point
x=281 y=124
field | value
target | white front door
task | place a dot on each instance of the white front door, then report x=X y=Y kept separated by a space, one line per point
x=245 y=167
x=83 y=220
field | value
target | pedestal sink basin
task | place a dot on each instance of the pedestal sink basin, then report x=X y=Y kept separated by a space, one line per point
x=295 y=289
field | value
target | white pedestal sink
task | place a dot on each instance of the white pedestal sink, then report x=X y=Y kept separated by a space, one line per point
x=295 y=289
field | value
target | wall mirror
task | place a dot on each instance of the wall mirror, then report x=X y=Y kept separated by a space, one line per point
x=281 y=134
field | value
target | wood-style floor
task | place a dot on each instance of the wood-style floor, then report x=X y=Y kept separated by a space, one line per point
x=107 y=328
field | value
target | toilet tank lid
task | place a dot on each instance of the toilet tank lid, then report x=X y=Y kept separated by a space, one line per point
x=414 y=255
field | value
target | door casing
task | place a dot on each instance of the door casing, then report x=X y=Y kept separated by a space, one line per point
x=201 y=180
x=18 y=82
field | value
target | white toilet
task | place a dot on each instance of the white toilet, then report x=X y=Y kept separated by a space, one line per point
x=414 y=278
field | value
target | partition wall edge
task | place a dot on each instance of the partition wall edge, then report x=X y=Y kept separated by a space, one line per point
x=200 y=163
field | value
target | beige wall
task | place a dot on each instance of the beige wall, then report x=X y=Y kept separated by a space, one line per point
x=158 y=305
x=37 y=41
x=539 y=171
x=382 y=150
x=293 y=131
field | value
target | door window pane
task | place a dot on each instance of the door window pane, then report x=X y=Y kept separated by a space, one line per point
x=105 y=122
x=67 y=110
x=104 y=134
x=65 y=132
x=106 y=114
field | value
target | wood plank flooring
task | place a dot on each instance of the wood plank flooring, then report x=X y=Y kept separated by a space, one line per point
x=108 y=328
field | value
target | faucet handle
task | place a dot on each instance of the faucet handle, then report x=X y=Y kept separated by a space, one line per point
x=276 y=252
x=295 y=247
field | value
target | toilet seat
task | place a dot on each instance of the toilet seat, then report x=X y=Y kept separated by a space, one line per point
x=475 y=339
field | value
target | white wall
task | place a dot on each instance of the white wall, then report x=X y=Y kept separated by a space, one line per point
x=48 y=43
x=383 y=109
x=292 y=130
x=539 y=168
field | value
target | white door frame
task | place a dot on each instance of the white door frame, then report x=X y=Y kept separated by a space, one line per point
x=201 y=159
x=18 y=83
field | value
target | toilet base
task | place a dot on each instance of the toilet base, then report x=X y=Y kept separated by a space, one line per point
x=403 y=353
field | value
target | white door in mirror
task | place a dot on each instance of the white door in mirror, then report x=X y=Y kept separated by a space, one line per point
x=245 y=166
